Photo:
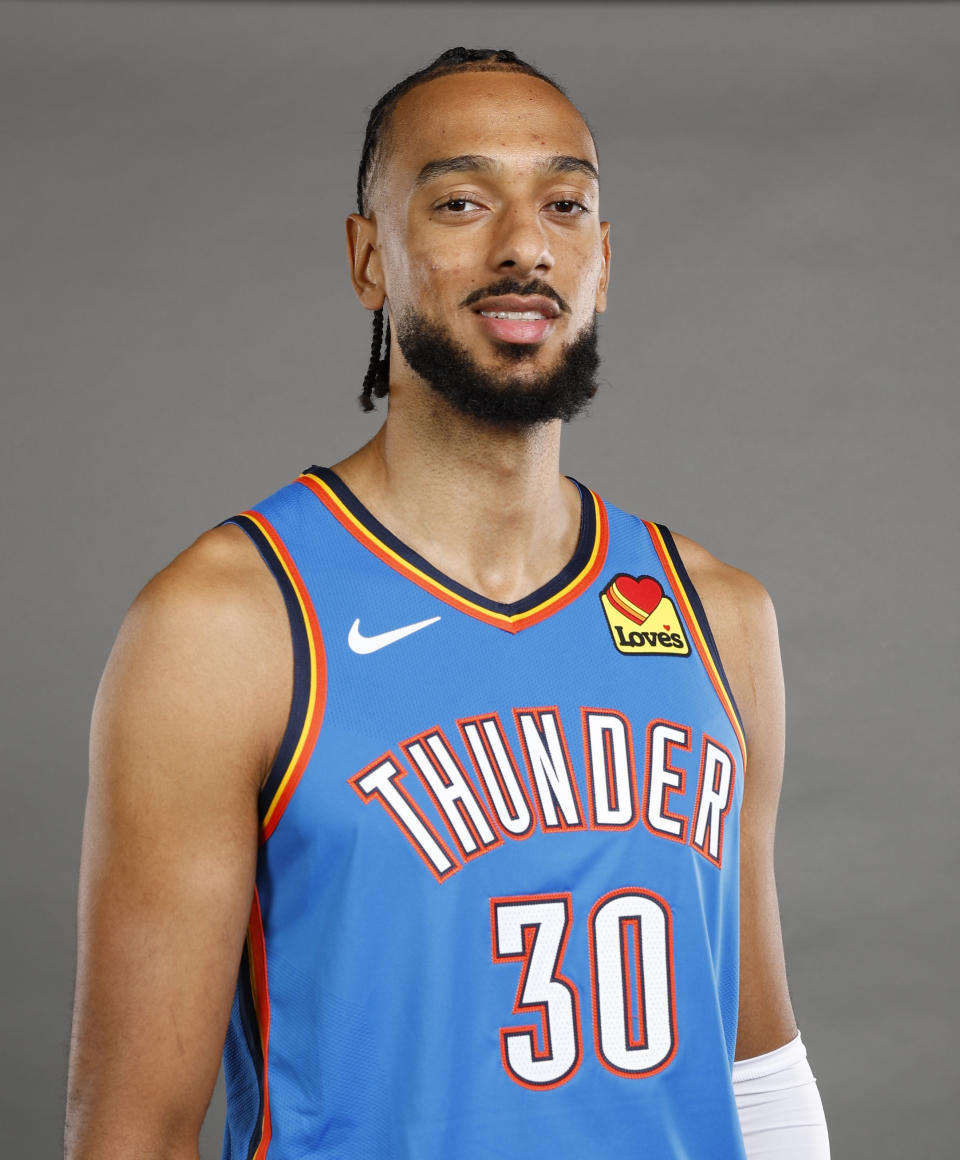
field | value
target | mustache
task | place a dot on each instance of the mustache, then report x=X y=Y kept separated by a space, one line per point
x=512 y=286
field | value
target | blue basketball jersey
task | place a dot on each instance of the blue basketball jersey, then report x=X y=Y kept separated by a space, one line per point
x=496 y=907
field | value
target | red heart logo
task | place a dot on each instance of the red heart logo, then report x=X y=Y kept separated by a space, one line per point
x=643 y=593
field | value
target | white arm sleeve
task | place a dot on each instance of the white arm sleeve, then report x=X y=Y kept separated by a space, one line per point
x=780 y=1110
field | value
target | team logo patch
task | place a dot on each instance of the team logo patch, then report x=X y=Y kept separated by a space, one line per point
x=643 y=621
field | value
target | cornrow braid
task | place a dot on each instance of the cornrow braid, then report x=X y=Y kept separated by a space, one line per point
x=376 y=382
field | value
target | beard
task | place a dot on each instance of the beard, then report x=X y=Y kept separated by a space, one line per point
x=500 y=397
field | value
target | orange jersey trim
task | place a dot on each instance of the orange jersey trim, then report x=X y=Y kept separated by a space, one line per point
x=510 y=623
x=318 y=681
x=257 y=958
x=697 y=634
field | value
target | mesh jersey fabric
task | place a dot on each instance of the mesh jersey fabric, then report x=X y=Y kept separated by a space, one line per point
x=496 y=906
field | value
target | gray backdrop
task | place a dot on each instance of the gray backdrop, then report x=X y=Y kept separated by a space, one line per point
x=179 y=338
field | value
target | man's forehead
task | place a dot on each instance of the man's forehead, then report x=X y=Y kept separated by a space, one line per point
x=492 y=115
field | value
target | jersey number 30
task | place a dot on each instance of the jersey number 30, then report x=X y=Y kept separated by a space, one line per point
x=631 y=975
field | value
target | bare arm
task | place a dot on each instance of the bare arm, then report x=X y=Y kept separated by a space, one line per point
x=188 y=717
x=744 y=625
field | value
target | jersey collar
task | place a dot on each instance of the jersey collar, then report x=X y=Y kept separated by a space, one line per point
x=566 y=586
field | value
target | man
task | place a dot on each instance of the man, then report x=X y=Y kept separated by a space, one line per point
x=442 y=751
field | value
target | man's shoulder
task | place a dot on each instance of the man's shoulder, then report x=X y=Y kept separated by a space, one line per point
x=729 y=590
x=205 y=646
x=741 y=616
x=219 y=577
x=213 y=618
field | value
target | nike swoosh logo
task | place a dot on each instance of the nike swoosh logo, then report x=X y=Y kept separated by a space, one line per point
x=368 y=644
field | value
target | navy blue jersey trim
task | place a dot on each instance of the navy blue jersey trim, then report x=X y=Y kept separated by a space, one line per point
x=586 y=541
x=251 y=1036
x=301 y=662
x=698 y=611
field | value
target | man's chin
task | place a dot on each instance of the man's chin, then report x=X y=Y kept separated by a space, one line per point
x=530 y=353
x=527 y=394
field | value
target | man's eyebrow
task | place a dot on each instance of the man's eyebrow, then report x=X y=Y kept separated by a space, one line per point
x=478 y=163
x=566 y=164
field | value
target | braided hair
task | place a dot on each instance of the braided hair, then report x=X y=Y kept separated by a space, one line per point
x=376 y=381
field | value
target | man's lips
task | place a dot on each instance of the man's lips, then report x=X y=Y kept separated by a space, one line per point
x=518 y=304
x=526 y=318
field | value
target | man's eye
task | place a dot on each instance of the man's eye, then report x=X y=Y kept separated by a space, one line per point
x=458 y=204
x=569 y=207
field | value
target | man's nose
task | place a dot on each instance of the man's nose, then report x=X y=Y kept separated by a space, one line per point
x=520 y=244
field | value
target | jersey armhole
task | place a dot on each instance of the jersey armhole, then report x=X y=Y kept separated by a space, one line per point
x=309 y=672
x=702 y=629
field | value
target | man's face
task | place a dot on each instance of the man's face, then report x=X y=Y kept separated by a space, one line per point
x=487 y=208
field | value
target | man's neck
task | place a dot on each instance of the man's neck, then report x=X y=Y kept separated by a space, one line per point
x=485 y=505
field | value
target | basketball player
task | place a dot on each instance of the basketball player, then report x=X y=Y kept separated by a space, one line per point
x=440 y=788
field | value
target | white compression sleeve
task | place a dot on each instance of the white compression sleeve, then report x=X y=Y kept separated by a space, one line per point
x=780 y=1110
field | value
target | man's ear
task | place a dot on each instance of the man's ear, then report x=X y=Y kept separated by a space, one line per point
x=607 y=260
x=363 y=258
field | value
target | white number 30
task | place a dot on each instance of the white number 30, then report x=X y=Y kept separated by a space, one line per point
x=631 y=974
